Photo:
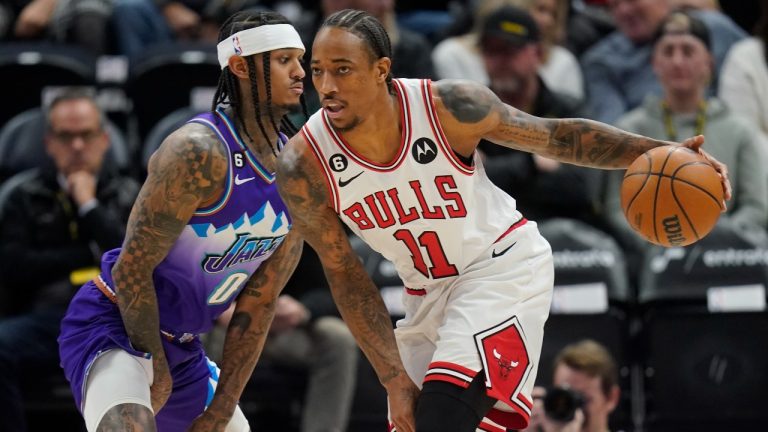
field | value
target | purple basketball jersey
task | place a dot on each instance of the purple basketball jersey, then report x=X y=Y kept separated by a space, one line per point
x=217 y=252
x=223 y=244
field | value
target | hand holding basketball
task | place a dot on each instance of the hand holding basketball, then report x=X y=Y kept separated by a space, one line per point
x=673 y=195
x=695 y=143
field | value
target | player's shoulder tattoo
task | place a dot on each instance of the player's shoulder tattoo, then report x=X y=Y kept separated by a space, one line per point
x=193 y=160
x=469 y=102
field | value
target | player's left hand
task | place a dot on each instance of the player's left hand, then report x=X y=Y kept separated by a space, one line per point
x=402 y=394
x=209 y=421
x=695 y=143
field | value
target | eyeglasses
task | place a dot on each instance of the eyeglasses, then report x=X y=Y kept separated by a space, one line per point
x=68 y=137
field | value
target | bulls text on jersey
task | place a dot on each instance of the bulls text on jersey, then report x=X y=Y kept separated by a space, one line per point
x=383 y=209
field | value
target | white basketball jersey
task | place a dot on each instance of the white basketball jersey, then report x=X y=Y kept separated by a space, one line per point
x=426 y=211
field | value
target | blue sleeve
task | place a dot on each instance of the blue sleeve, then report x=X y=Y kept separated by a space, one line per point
x=605 y=99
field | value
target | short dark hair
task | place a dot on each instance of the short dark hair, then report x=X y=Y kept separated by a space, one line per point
x=593 y=359
x=228 y=90
x=367 y=28
x=69 y=94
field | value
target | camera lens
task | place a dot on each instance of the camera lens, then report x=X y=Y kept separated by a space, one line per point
x=560 y=404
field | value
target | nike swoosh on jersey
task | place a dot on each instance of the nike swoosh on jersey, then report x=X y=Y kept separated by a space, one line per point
x=495 y=254
x=343 y=183
x=239 y=181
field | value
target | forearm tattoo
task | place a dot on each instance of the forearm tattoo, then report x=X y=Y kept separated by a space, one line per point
x=303 y=189
x=184 y=172
x=576 y=141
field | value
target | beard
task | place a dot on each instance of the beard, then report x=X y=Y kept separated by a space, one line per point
x=349 y=126
x=294 y=108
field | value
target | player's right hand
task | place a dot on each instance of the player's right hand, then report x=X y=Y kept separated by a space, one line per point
x=402 y=394
x=162 y=383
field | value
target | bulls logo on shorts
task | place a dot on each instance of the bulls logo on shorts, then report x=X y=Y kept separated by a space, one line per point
x=506 y=362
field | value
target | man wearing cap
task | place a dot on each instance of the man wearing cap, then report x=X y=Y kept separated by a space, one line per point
x=683 y=64
x=618 y=68
x=511 y=50
x=208 y=230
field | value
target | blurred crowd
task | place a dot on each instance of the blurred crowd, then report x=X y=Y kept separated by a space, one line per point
x=69 y=172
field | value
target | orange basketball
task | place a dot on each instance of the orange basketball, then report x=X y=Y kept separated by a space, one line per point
x=671 y=196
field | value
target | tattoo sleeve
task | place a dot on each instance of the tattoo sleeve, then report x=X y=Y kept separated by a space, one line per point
x=577 y=141
x=302 y=187
x=250 y=323
x=187 y=169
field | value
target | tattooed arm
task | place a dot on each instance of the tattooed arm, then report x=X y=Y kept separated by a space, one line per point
x=187 y=170
x=302 y=187
x=469 y=112
x=247 y=332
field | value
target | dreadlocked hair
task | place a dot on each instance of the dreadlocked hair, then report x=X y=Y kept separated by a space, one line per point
x=228 y=89
x=367 y=28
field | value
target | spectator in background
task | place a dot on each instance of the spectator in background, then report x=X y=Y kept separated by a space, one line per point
x=459 y=57
x=695 y=4
x=588 y=23
x=412 y=50
x=682 y=61
x=140 y=24
x=618 y=68
x=744 y=78
x=512 y=53
x=587 y=368
x=54 y=227
x=79 y=22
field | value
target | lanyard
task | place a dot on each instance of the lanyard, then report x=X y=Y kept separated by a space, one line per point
x=67 y=206
x=701 y=120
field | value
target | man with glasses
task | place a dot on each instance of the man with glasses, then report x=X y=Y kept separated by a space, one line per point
x=55 y=221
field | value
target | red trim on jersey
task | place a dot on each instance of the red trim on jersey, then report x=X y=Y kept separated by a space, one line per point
x=513 y=227
x=514 y=420
x=487 y=427
x=333 y=192
x=437 y=130
x=405 y=138
x=415 y=292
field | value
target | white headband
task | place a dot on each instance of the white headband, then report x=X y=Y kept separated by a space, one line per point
x=258 y=40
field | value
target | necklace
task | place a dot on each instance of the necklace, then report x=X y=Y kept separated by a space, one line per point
x=701 y=120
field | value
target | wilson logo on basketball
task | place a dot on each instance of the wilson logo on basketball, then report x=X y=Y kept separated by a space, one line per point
x=673 y=230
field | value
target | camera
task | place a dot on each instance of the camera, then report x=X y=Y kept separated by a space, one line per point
x=561 y=403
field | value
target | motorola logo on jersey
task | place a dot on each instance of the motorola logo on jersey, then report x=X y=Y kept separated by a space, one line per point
x=242 y=250
x=424 y=150
x=338 y=162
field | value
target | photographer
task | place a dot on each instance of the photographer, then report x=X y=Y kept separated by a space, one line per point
x=584 y=392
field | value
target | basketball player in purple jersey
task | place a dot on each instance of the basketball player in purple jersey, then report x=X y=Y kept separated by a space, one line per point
x=208 y=228
x=394 y=159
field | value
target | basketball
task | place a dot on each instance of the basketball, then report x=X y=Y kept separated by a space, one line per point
x=671 y=196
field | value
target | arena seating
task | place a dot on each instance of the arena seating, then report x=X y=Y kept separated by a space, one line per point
x=704 y=340
x=162 y=80
x=591 y=300
x=28 y=68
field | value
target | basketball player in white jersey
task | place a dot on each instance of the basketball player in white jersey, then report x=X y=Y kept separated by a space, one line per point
x=395 y=161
